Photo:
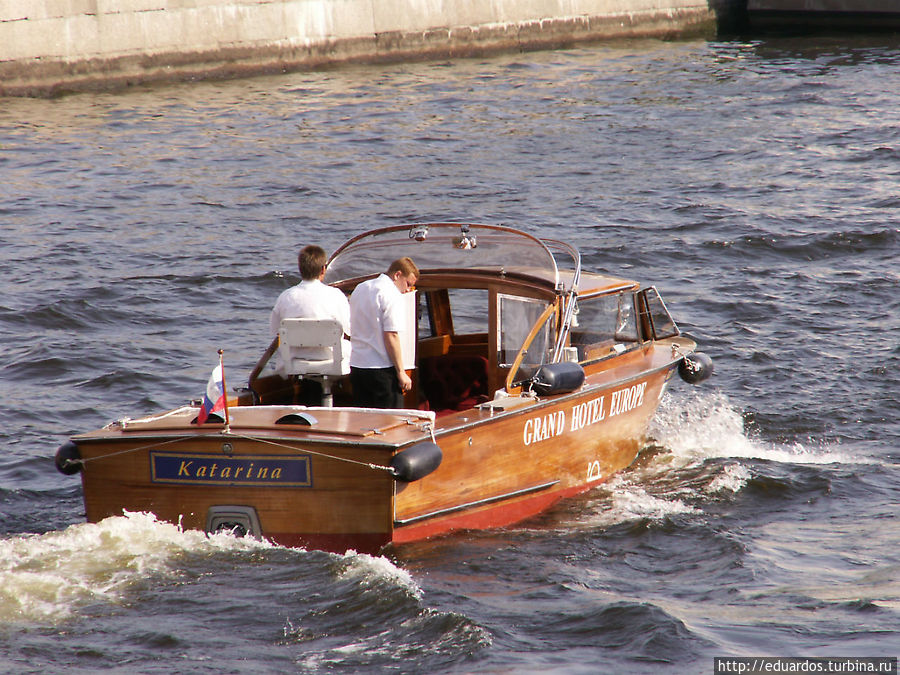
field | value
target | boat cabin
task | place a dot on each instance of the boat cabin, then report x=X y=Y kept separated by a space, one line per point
x=492 y=306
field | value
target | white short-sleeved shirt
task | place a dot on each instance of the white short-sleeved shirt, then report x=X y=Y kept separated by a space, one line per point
x=376 y=307
x=311 y=300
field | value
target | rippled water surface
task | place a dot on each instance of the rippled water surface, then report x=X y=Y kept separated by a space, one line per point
x=754 y=183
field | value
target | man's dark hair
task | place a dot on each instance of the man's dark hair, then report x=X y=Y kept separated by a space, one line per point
x=311 y=260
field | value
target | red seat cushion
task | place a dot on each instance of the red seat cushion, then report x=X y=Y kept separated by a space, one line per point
x=454 y=381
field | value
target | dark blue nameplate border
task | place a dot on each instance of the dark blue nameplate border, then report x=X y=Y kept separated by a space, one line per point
x=246 y=471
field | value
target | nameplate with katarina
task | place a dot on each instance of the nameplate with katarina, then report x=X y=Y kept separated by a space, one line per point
x=216 y=469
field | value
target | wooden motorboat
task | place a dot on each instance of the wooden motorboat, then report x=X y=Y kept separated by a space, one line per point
x=533 y=381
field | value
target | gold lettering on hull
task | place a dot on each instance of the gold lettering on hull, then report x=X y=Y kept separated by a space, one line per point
x=541 y=428
x=626 y=400
x=251 y=471
x=582 y=415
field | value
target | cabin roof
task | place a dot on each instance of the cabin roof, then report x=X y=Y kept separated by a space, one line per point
x=592 y=283
x=460 y=248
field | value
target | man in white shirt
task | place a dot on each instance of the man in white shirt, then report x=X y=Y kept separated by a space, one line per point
x=378 y=317
x=311 y=299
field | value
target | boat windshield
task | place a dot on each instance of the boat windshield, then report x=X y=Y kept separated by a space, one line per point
x=444 y=246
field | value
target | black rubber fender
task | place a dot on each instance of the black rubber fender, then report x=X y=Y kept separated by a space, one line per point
x=558 y=378
x=696 y=367
x=68 y=459
x=416 y=462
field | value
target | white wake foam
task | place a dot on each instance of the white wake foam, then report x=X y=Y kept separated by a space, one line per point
x=732 y=479
x=688 y=431
x=48 y=577
x=704 y=425
x=367 y=569
x=631 y=501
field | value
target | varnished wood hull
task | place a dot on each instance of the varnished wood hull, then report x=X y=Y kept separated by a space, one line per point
x=499 y=465
x=329 y=504
x=526 y=462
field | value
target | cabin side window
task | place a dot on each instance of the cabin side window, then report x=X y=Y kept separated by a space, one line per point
x=655 y=318
x=469 y=310
x=604 y=326
x=516 y=318
x=453 y=311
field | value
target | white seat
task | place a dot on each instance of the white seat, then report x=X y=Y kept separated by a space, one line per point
x=314 y=349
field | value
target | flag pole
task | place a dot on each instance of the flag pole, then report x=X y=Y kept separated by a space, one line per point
x=224 y=390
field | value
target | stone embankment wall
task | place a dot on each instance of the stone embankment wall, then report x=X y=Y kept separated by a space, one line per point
x=54 y=46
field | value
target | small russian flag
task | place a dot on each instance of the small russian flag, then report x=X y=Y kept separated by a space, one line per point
x=214 y=399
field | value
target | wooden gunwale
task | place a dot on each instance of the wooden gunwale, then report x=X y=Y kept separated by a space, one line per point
x=260 y=435
x=450 y=424
x=443 y=426
x=365 y=428
x=589 y=387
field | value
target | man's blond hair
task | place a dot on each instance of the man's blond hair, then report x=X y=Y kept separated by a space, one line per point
x=405 y=265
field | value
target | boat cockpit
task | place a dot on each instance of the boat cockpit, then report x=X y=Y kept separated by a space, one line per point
x=492 y=305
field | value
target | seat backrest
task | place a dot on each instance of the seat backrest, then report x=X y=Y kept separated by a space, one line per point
x=312 y=347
